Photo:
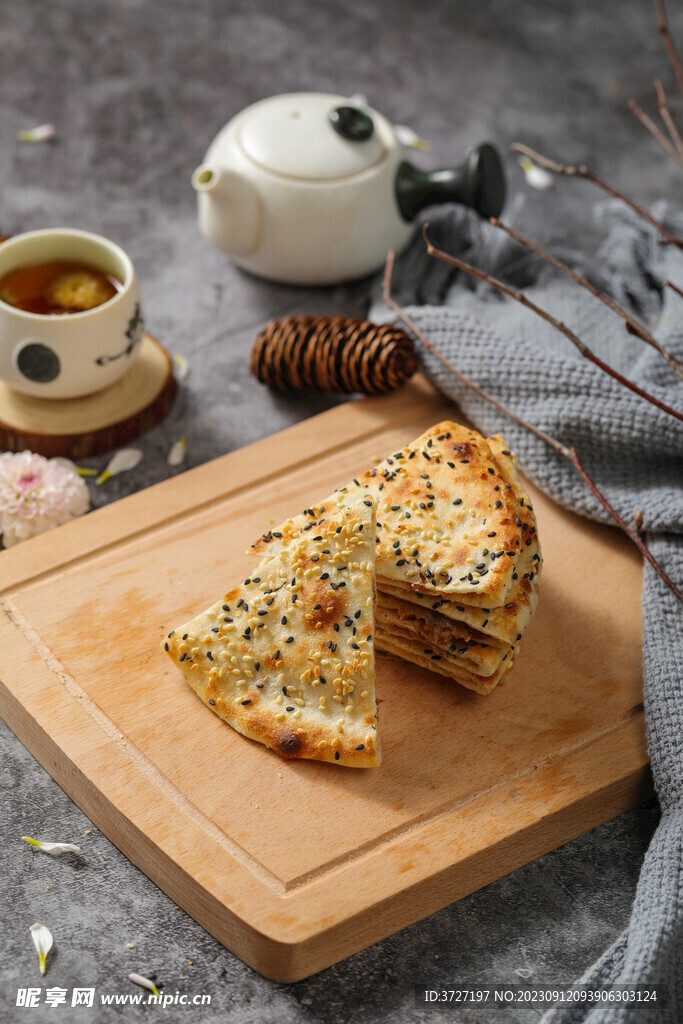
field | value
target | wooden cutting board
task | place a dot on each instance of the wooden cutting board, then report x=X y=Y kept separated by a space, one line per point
x=294 y=865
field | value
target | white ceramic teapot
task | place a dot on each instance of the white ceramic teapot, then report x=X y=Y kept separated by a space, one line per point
x=314 y=188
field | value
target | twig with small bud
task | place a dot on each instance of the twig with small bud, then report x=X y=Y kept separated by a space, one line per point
x=663 y=29
x=652 y=128
x=581 y=171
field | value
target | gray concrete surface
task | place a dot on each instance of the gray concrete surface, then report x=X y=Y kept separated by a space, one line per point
x=137 y=89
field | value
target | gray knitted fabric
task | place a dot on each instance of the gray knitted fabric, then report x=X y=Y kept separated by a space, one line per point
x=631 y=449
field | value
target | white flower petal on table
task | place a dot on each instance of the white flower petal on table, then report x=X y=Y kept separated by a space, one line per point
x=125 y=459
x=145 y=982
x=54 y=849
x=42 y=940
x=408 y=137
x=41 y=133
x=182 y=366
x=536 y=176
x=177 y=452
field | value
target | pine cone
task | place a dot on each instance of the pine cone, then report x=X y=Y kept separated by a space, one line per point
x=335 y=353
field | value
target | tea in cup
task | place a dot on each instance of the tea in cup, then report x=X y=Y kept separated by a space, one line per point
x=71 y=317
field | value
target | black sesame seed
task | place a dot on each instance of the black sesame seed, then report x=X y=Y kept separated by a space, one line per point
x=165 y=647
x=182 y=657
x=289 y=640
x=336 y=755
x=361 y=746
x=290 y=708
x=185 y=636
x=247 y=582
x=491 y=534
x=243 y=702
x=212 y=701
x=283 y=620
x=458 y=501
x=325 y=576
x=209 y=655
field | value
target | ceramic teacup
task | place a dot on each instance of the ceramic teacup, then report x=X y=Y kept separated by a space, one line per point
x=67 y=356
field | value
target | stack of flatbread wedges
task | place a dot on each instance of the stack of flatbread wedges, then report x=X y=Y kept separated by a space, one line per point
x=431 y=556
x=287 y=657
x=458 y=558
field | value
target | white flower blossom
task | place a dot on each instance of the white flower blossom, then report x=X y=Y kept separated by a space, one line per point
x=37 y=494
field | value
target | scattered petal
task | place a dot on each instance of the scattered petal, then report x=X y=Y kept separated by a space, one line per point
x=523 y=972
x=42 y=940
x=125 y=459
x=54 y=849
x=84 y=471
x=183 y=366
x=536 y=176
x=37 y=494
x=177 y=452
x=407 y=137
x=145 y=982
x=41 y=133
x=130 y=945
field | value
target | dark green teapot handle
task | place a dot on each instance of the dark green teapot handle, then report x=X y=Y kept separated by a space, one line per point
x=479 y=182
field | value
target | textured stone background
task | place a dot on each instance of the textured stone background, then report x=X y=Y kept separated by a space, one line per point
x=137 y=89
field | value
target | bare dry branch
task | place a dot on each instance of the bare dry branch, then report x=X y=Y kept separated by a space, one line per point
x=673 y=287
x=649 y=124
x=666 y=117
x=633 y=326
x=581 y=171
x=630 y=532
x=549 y=318
x=569 y=453
x=663 y=29
x=412 y=326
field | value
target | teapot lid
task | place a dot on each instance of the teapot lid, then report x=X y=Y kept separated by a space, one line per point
x=312 y=136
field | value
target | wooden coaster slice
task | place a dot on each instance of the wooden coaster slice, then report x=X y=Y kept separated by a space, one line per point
x=94 y=424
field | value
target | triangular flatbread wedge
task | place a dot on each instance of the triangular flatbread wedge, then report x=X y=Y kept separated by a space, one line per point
x=448 y=520
x=287 y=657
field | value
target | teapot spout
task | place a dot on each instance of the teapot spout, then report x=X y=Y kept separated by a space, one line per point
x=229 y=209
x=205 y=178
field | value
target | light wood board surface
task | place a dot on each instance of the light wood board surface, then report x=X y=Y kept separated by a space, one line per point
x=294 y=865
